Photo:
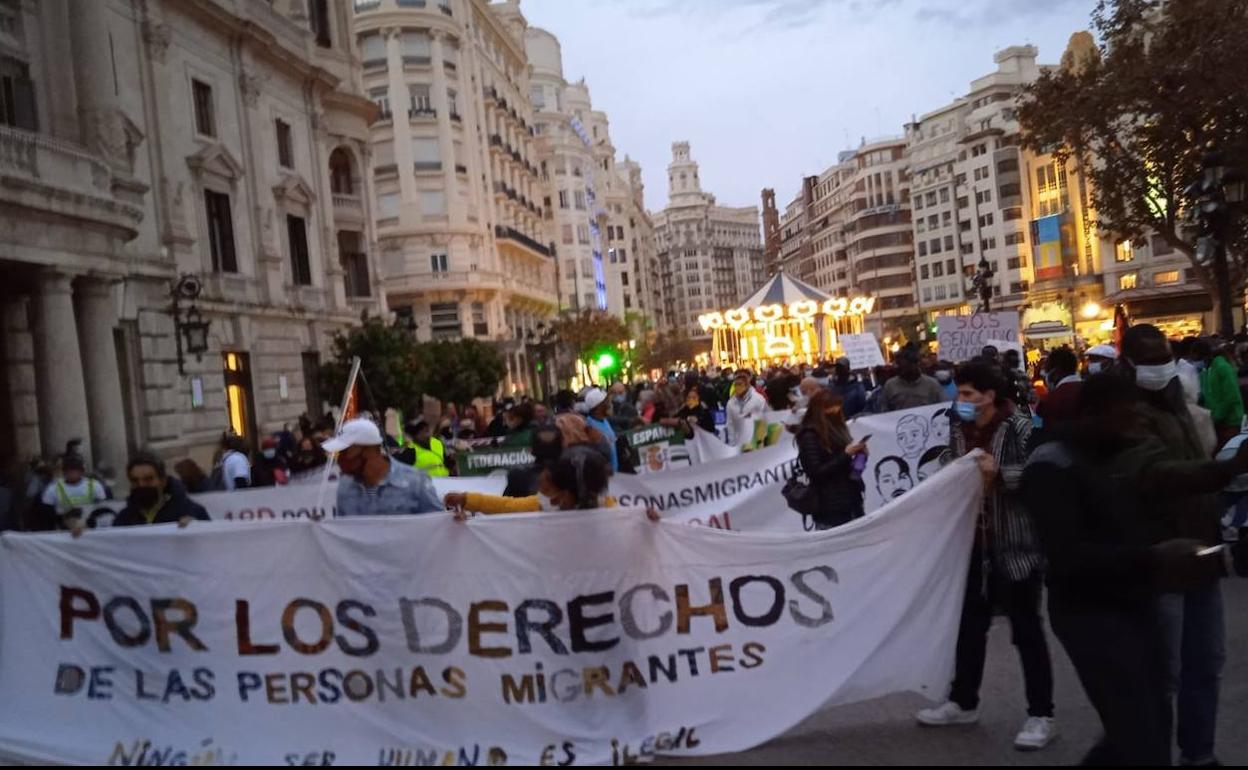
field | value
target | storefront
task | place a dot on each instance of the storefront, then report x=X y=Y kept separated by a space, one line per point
x=1180 y=310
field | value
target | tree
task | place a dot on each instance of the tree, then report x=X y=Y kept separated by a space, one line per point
x=587 y=333
x=457 y=372
x=388 y=362
x=1139 y=111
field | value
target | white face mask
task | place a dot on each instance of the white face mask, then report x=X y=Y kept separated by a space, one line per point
x=545 y=503
x=269 y=454
x=1156 y=377
x=1095 y=367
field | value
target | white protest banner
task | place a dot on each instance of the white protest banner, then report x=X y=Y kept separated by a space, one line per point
x=862 y=350
x=741 y=493
x=578 y=637
x=962 y=337
x=708 y=447
x=905 y=447
x=301 y=501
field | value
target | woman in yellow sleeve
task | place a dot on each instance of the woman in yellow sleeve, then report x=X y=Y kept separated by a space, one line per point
x=576 y=481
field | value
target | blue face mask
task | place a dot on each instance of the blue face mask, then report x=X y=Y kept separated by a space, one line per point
x=966 y=411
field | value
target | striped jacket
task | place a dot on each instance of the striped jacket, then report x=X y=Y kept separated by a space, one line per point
x=1014 y=541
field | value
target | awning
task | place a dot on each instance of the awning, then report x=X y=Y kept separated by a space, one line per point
x=1172 y=299
x=1043 y=330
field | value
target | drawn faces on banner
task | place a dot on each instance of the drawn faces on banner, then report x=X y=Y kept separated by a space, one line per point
x=905 y=447
x=939 y=432
x=912 y=433
x=892 y=477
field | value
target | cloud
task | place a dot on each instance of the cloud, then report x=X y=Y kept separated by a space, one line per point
x=792 y=14
x=978 y=13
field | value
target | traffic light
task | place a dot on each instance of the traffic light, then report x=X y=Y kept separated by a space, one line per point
x=606 y=361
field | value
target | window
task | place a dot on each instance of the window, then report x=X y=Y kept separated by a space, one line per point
x=927 y=295
x=951 y=266
x=930 y=200
x=580 y=199
x=986 y=220
x=1167 y=277
x=318 y=13
x=920 y=225
x=1160 y=247
x=300 y=266
x=1010 y=190
x=340 y=181
x=983 y=196
x=1012 y=214
x=567 y=235
x=17 y=96
x=433 y=203
x=285 y=152
x=220 y=232
x=944 y=195
x=623 y=256
x=624 y=278
x=204 y=119
x=426 y=154
x=480 y=328
x=922 y=248
x=444 y=321
x=933 y=222
x=452 y=104
x=537 y=95
x=963 y=202
x=354 y=264
x=981 y=173
x=923 y=272
x=1124 y=251
x=422 y=102
x=372 y=50
x=381 y=97
x=938 y=270
x=563 y=199
x=1128 y=280
x=437 y=262
x=968 y=248
x=1013 y=239
x=948 y=243
x=388 y=206
x=946 y=219
x=415 y=48
x=918 y=202
x=1007 y=166
x=582 y=234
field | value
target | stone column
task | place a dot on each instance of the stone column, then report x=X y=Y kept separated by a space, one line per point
x=20 y=373
x=98 y=115
x=97 y=317
x=400 y=102
x=446 y=142
x=58 y=366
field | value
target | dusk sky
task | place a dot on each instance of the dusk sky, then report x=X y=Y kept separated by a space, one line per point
x=768 y=91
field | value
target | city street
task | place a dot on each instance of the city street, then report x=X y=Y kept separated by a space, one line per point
x=883 y=732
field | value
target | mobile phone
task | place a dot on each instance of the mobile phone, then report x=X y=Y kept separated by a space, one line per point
x=1211 y=550
x=865 y=438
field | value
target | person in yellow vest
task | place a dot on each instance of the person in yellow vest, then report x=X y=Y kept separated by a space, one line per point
x=429 y=453
x=73 y=491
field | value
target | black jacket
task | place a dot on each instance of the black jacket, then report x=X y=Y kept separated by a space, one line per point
x=829 y=471
x=702 y=416
x=176 y=506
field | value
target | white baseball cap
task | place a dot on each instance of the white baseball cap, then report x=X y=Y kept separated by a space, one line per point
x=1103 y=351
x=358 y=432
x=594 y=397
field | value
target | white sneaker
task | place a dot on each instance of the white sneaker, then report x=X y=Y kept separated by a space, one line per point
x=1037 y=733
x=948 y=713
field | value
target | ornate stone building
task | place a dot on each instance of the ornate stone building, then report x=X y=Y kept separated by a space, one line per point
x=144 y=141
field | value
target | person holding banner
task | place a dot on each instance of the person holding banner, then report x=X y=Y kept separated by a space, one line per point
x=745 y=407
x=154 y=497
x=372 y=483
x=1006 y=560
x=693 y=414
x=827 y=454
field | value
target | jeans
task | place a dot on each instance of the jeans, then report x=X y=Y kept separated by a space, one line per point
x=1195 y=638
x=1020 y=599
x=1120 y=657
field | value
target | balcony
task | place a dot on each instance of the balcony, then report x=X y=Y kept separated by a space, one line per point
x=512 y=234
x=461 y=168
x=348 y=206
x=422 y=113
x=61 y=178
x=456 y=118
x=449 y=66
x=429 y=165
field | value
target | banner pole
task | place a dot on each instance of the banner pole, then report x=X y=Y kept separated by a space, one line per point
x=348 y=406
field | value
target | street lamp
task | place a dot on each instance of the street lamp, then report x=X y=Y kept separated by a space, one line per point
x=190 y=332
x=1218 y=196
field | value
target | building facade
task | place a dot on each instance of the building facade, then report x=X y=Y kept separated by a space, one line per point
x=217 y=140
x=710 y=256
x=970 y=201
x=462 y=222
x=771 y=232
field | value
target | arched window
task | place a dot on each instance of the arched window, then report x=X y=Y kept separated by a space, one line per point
x=341 y=172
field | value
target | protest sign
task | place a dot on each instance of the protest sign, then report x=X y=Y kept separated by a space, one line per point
x=481 y=462
x=862 y=350
x=962 y=337
x=905 y=448
x=656 y=448
x=578 y=637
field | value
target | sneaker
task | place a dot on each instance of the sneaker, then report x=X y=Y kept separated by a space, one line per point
x=1037 y=733
x=946 y=714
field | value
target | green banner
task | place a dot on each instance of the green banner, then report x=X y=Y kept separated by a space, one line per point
x=481 y=462
x=657 y=448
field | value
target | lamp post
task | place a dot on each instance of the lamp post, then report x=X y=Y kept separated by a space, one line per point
x=543 y=342
x=1218 y=195
x=190 y=331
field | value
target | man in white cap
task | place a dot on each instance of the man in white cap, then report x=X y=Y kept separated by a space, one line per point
x=372 y=484
x=596 y=409
x=1100 y=358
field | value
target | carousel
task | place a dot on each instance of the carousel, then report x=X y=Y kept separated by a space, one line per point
x=787 y=321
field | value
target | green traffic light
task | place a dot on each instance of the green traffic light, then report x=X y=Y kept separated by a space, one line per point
x=606 y=361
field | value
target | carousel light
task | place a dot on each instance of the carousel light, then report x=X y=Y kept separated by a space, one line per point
x=837 y=306
x=736 y=318
x=768 y=313
x=709 y=321
x=806 y=308
x=862 y=305
x=778 y=347
x=1090 y=310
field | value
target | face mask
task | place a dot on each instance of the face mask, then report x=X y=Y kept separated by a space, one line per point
x=269 y=454
x=545 y=503
x=966 y=411
x=144 y=498
x=760 y=382
x=1095 y=367
x=1156 y=377
x=618 y=399
x=943 y=376
x=692 y=403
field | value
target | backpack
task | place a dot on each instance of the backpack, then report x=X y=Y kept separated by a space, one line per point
x=802 y=497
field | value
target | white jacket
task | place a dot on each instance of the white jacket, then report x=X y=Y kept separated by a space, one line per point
x=742 y=414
